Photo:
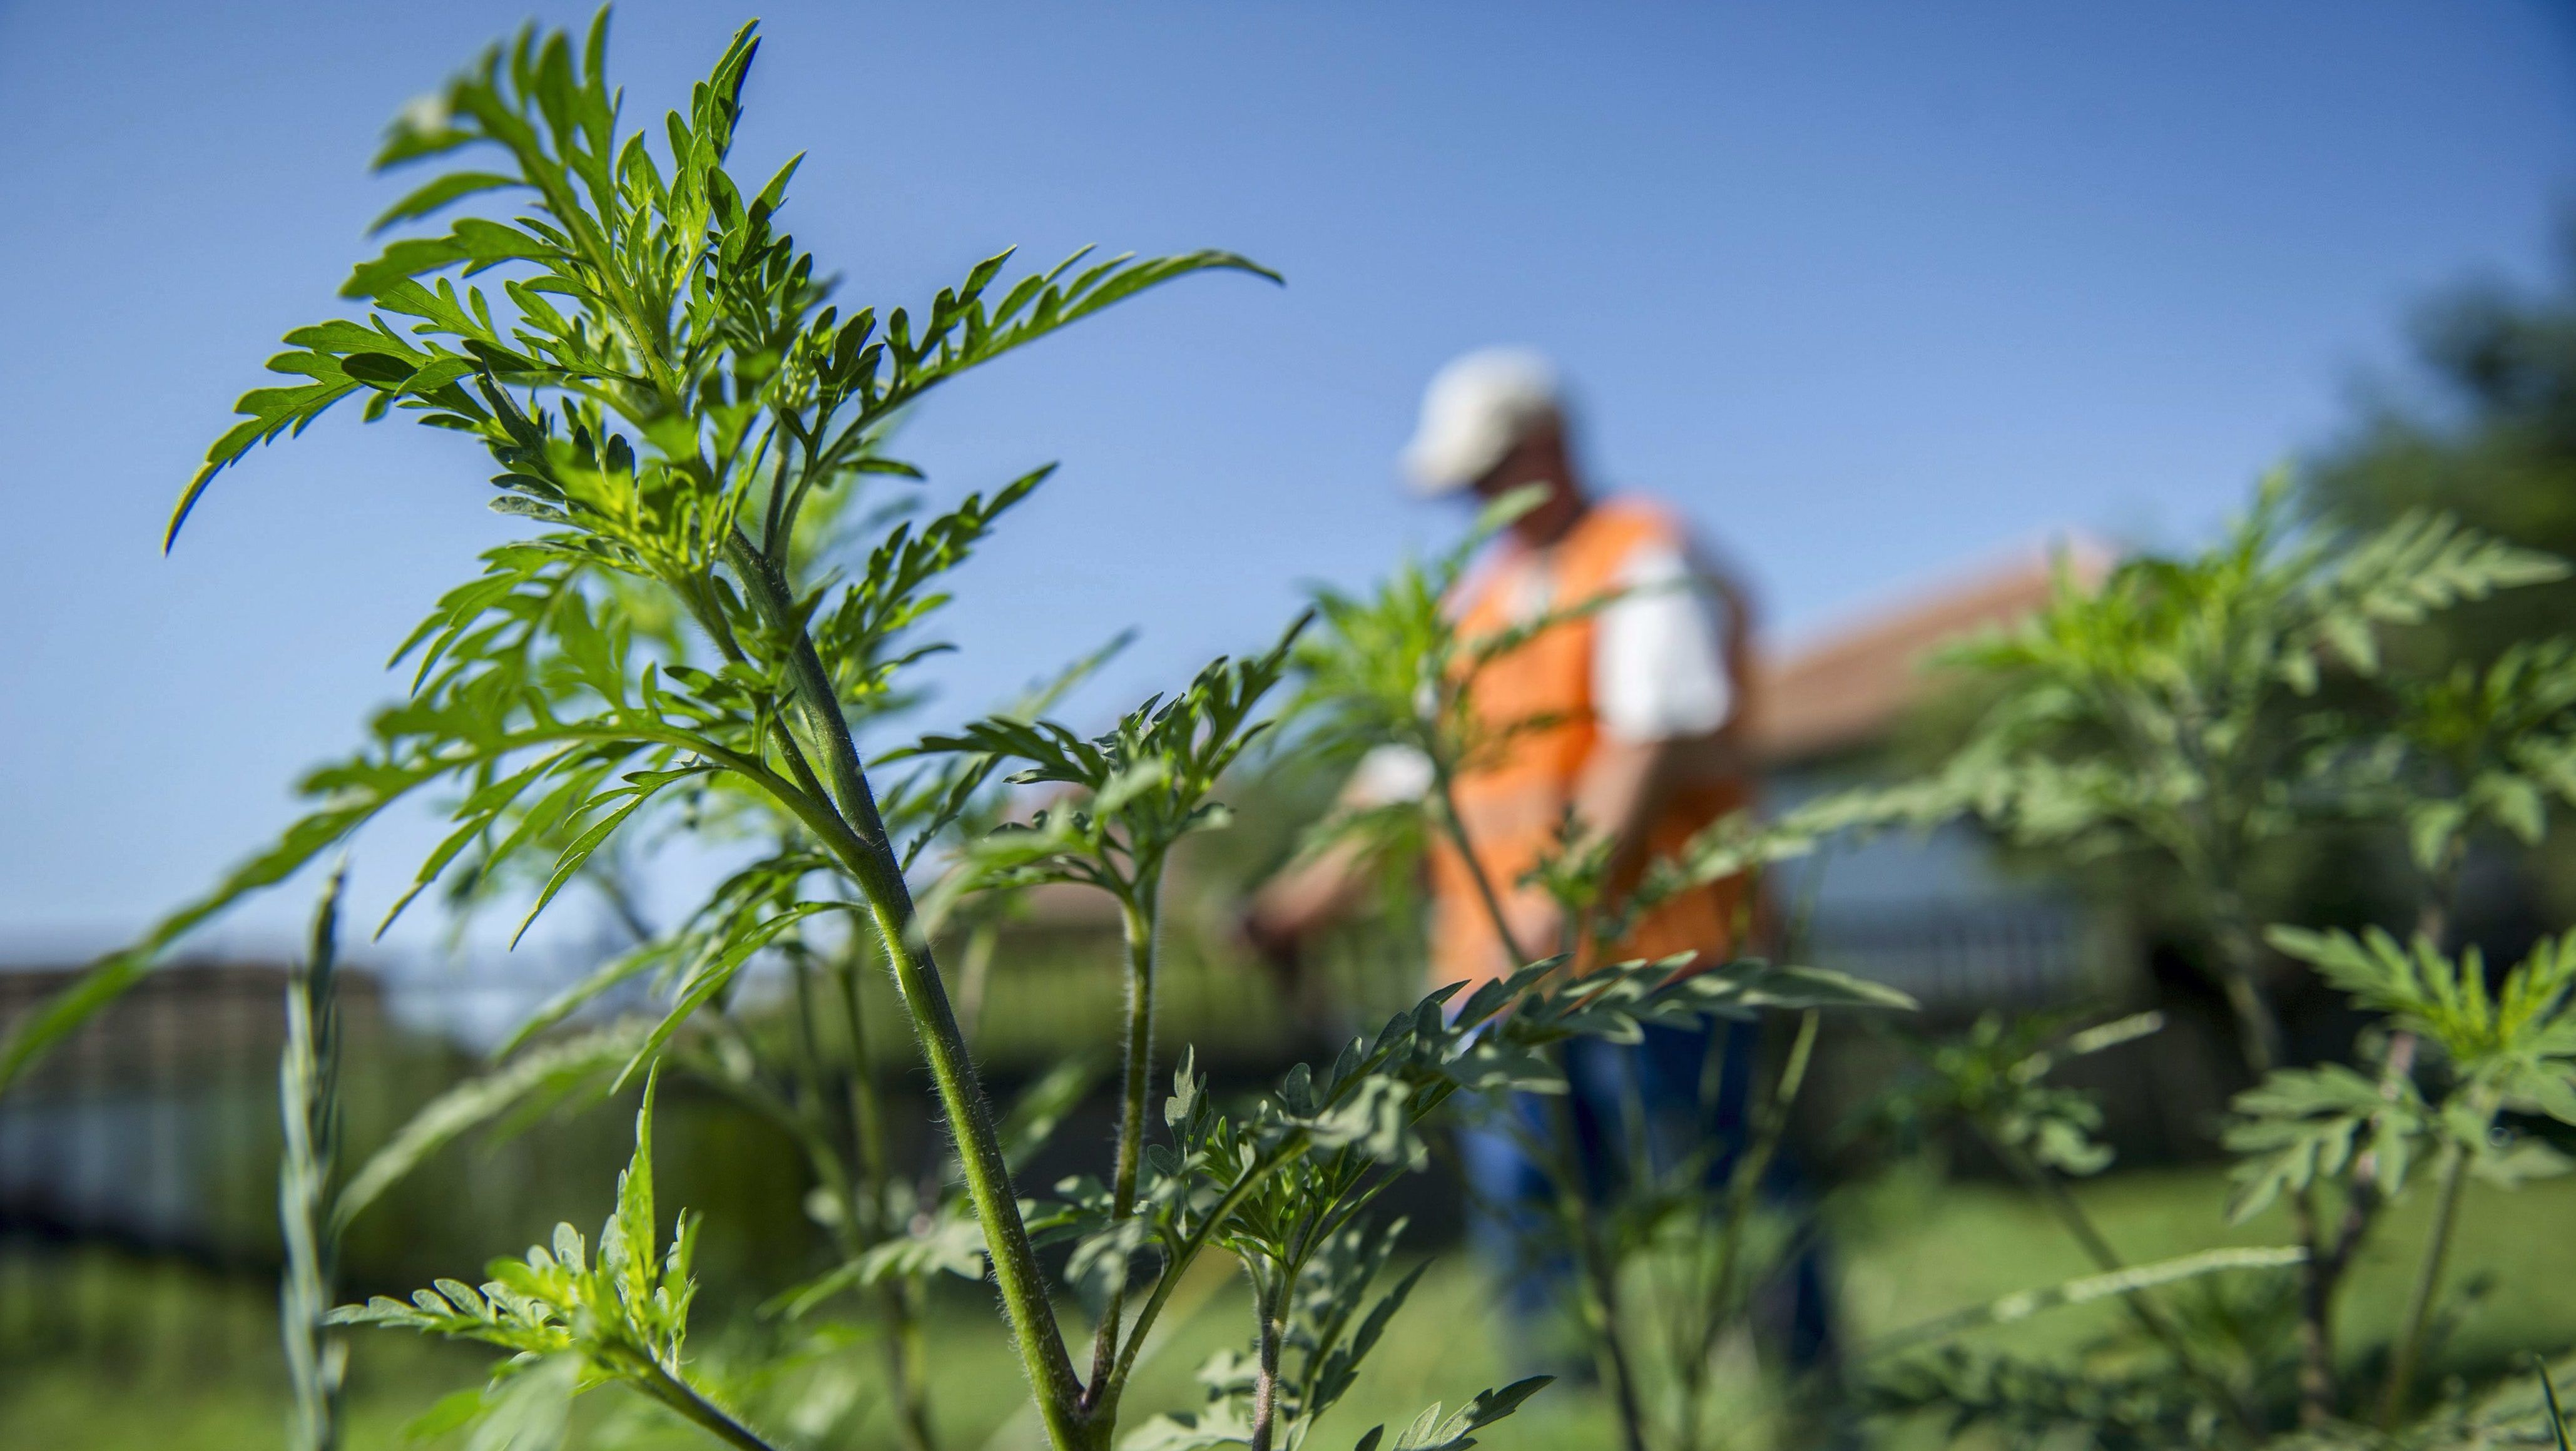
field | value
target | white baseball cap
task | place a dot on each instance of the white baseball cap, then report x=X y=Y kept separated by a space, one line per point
x=1477 y=407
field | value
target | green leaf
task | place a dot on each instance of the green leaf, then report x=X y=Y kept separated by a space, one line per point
x=712 y=979
x=112 y=976
x=2023 y=1304
x=454 y=186
x=642 y=787
x=547 y=1073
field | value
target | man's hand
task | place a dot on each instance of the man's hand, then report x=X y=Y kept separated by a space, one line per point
x=1274 y=944
x=1538 y=926
x=1301 y=901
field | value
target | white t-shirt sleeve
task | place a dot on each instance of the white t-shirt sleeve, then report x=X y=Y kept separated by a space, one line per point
x=1659 y=654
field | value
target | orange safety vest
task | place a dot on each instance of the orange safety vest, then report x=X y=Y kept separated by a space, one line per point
x=1512 y=803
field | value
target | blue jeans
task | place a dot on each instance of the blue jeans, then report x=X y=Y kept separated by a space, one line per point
x=1666 y=1082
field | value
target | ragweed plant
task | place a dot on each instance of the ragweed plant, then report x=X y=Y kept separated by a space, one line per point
x=2172 y=709
x=619 y=1316
x=2176 y=711
x=1993 y=1082
x=1134 y=794
x=669 y=398
x=1388 y=670
x=1281 y=1186
x=2472 y=750
x=2510 y=1047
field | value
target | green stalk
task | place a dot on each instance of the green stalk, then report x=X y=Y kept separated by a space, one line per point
x=2428 y=1282
x=1139 y=916
x=1755 y=1162
x=962 y=1100
x=666 y=1386
x=1599 y=1272
x=2145 y=1312
x=1601 y=1298
x=1456 y=828
x=1266 y=1300
x=309 y=1096
x=1189 y=1250
x=897 y=1301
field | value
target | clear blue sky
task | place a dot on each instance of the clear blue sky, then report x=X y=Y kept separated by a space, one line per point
x=1872 y=290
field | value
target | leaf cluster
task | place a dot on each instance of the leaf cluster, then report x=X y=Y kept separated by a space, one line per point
x=1127 y=796
x=1330 y=1327
x=2170 y=705
x=621 y=1314
x=1994 y=1079
x=2506 y=1047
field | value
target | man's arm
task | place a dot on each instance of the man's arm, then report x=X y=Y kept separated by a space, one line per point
x=1311 y=894
x=1303 y=899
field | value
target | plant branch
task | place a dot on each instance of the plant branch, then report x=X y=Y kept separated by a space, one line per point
x=1746 y=1180
x=667 y=1386
x=1266 y=1298
x=1444 y=790
x=2428 y=1283
x=2149 y=1316
x=1139 y=916
x=863 y=847
x=1191 y=1247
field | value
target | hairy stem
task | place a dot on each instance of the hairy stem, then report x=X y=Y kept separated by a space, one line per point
x=962 y=1100
x=1138 y=916
x=2428 y=1284
x=666 y=1386
x=897 y=1301
x=1266 y=1302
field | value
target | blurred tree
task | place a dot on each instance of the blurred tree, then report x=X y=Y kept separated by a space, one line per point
x=2492 y=439
x=2487 y=433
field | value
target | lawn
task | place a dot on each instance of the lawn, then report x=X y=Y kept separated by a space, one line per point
x=206 y=1380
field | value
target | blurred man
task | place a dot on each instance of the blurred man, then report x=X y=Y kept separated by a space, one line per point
x=1627 y=732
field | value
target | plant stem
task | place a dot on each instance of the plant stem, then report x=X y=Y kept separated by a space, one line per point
x=2144 y=1311
x=2259 y=1039
x=2317 y=1284
x=1755 y=1162
x=906 y=1367
x=1600 y=1302
x=2258 y=1032
x=1189 y=1250
x=667 y=1387
x=1455 y=825
x=309 y=1097
x=962 y=1100
x=2428 y=1283
x=1265 y=1383
x=1138 y=916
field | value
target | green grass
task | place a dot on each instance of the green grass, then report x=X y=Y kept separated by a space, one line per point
x=209 y=1380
